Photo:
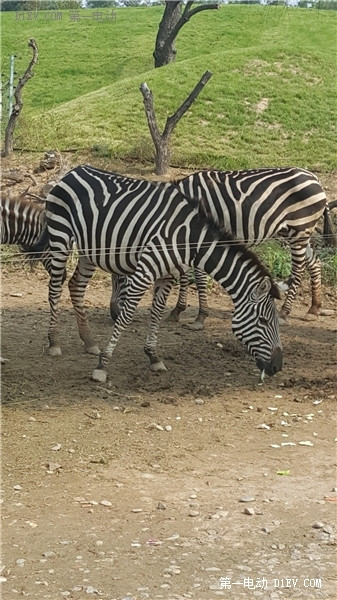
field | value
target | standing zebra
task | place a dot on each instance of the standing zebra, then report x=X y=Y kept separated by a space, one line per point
x=149 y=230
x=256 y=205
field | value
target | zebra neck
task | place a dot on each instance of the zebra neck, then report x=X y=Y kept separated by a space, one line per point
x=231 y=265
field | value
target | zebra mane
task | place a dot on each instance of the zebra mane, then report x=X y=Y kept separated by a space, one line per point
x=223 y=235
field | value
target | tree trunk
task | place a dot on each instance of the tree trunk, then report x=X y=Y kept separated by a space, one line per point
x=165 y=51
x=173 y=20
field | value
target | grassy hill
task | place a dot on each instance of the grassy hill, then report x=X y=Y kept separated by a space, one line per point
x=271 y=99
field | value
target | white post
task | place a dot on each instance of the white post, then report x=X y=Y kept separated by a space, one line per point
x=11 y=84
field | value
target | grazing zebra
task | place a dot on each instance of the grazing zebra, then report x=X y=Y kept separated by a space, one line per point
x=149 y=230
x=22 y=223
x=256 y=205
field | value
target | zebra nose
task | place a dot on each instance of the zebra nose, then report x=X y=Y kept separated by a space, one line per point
x=276 y=361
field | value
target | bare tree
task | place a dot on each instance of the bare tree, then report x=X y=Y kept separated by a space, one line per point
x=9 y=133
x=161 y=141
x=173 y=20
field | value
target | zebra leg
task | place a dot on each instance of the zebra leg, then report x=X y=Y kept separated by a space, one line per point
x=297 y=268
x=77 y=286
x=57 y=278
x=140 y=282
x=201 y=283
x=182 y=299
x=313 y=265
x=161 y=293
x=118 y=294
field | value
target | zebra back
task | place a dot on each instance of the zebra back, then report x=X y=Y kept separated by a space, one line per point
x=256 y=204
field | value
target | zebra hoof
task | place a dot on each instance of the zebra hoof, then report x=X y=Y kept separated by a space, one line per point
x=173 y=317
x=310 y=317
x=54 y=351
x=158 y=367
x=93 y=350
x=99 y=375
x=195 y=326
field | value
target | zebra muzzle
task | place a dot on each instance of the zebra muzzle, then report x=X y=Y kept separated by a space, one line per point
x=273 y=365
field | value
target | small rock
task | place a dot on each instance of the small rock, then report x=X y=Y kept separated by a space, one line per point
x=318 y=525
x=334 y=489
x=305 y=443
x=56 y=447
x=328 y=529
x=20 y=562
x=199 y=401
x=17 y=487
x=32 y=419
x=106 y=503
x=161 y=506
x=48 y=554
x=249 y=511
x=168 y=428
x=136 y=510
x=193 y=513
x=265 y=529
x=247 y=499
x=326 y=312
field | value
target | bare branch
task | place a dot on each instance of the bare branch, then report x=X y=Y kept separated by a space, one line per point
x=172 y=121
x=185 y=17
x=161 y=141
x=8 y=145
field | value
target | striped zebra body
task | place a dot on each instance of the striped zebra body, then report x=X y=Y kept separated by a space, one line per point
x=256 y=205
x=150 y=231
x=21 y=222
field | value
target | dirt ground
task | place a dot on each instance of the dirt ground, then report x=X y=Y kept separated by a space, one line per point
x=134 y=489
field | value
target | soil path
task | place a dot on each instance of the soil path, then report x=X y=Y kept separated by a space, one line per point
x=132 y=489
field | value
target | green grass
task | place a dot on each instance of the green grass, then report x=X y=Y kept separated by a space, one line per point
x=85 y=93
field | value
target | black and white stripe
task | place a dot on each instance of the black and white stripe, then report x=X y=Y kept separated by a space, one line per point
x=21 y=221
x=256 y=205
x=150 y=231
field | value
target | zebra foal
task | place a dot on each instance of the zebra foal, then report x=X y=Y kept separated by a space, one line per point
x=150 y=232
x=255 y=205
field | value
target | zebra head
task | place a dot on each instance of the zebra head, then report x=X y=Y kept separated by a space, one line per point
x=255 y=323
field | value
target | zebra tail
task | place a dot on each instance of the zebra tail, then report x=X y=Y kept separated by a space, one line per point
x=329 y=237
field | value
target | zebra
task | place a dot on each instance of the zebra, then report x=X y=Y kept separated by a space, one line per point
x=255 y=205
x=150 y=231
x=22 y=223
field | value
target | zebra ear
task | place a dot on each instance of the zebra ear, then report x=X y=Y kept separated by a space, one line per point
x=262 y=289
